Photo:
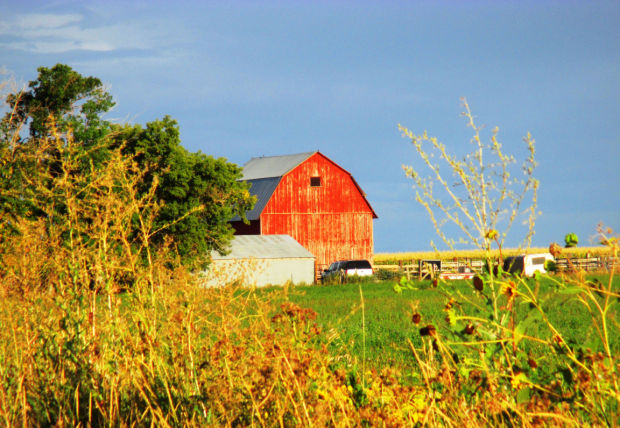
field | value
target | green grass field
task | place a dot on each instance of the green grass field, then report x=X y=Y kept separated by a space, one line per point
x=389 y=326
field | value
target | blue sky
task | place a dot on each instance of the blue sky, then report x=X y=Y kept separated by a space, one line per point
x=246 y=79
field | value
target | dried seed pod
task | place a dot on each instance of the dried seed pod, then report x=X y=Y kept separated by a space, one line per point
x=416 y=318
x=429 y=330
x=478 y=283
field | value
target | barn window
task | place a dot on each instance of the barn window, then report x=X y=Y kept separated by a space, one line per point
x=315 y=181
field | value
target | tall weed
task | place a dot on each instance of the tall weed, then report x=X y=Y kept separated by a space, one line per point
x=498 y=358
x=100 y=329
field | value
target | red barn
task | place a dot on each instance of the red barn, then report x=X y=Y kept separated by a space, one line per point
x=312 y=199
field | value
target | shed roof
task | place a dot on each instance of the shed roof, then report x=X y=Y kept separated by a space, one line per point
x=272 y=166
x=264 y=247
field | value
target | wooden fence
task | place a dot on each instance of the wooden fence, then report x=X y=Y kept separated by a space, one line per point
x=416 y=268
x=590 y=264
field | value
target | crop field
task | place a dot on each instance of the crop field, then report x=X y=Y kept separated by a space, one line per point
x=394 y=258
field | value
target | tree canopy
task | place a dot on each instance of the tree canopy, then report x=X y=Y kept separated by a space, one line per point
x=571 y=240
x=187 y=181
x=198 y=194
x=63 y=94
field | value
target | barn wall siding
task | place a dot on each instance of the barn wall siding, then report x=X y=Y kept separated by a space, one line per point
x=333 y=221
x=330 y=237
x=337 y=193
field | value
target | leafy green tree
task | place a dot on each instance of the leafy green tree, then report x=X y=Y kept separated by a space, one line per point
x=195 y=183
x=59 y=100
x=571 y=240
x=72 y=100
x=197 y=193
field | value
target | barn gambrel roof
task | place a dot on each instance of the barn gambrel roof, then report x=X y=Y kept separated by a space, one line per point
x=264 y=174
x=262 y=188
x=272 y=166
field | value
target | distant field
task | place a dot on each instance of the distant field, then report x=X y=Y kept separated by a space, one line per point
x=388 y=318
x=392 y=258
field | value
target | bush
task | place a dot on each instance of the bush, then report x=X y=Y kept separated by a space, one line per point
x=551 y=266
x=387 y=274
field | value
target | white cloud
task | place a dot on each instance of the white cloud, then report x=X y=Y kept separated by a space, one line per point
x=58 y=46
x=57 y=33
x=39 y=20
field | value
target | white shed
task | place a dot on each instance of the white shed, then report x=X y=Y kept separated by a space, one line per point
x=259 y=260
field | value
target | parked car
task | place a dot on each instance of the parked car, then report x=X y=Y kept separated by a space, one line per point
x=527 y=264
x=340 y=270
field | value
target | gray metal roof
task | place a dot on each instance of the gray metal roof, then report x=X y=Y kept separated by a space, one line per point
x=272 y=166
x=262 y=188
x=264 y=174
x=264 y=247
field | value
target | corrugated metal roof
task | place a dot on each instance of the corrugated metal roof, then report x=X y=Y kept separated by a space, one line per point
x=272 y=166
x=264 y=247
